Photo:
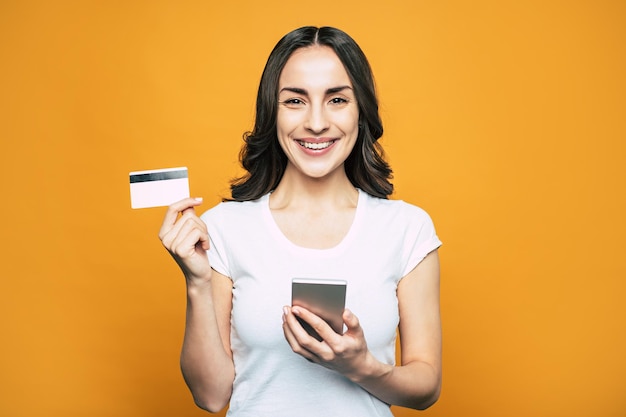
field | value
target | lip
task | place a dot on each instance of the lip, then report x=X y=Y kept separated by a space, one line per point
x=315 y=144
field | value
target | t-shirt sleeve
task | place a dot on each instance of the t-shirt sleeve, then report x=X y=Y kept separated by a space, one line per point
x=420 y=239
x=217 y=251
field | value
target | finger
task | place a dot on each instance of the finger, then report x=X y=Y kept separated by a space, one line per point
x=172 y=213
x=352 y=322
x=295 y=328
x=291 y=338
x=317 y=323
x=187 y=252
x=350 y=319
x=190 y=235
x=188 y=220
x=188 y=210
x=204 y=242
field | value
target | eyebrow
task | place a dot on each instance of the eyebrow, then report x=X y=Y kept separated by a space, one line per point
x=332 y=90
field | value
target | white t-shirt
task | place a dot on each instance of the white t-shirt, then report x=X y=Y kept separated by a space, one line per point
x=387 y=239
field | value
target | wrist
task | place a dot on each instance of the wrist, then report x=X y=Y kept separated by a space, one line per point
x=198 y=284
x=372 y=370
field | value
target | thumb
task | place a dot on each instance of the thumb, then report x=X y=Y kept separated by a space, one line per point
x=194 y=202
x=188 y=210
x=351 y=321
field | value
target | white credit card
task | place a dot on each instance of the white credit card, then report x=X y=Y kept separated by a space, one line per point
x=158 y=187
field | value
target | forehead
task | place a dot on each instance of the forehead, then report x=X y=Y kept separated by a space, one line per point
x=314 y=66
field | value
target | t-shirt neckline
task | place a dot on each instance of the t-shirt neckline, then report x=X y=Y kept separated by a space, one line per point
x=289 y=245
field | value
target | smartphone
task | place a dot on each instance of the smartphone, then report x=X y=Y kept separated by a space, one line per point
x=325 y=298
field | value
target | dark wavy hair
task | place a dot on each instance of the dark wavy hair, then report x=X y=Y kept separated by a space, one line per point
x=261 y=155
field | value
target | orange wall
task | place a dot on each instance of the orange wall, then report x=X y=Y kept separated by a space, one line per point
x=505 y=120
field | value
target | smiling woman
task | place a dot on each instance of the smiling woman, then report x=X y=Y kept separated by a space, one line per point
x=262 y=156
x=318 y=116
x=313 y=205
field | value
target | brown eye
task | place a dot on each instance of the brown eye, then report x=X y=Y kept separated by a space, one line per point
x=338 y=100
x=293 y=102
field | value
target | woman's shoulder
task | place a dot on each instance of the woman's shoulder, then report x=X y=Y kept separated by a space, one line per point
x=396 y=208
x=399 y=219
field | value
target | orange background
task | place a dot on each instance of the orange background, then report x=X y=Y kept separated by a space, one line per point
x=505 y=120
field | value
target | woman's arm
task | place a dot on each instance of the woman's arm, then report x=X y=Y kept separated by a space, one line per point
x=416 y=382
x=206 y=358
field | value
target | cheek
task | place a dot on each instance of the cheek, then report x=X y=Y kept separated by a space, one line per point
x=279 y=121
x=286 y=122
x=283 y=129
x=349 y=122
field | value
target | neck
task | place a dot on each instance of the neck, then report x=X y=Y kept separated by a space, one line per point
x=300 y=191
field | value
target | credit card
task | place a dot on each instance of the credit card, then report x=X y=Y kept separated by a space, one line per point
x=158 y=187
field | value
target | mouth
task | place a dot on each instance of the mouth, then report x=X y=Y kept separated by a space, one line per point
x=316 y=146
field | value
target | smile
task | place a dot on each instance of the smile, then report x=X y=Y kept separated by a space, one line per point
x=315 y=146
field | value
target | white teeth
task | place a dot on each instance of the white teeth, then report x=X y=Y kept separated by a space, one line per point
x=315 y=146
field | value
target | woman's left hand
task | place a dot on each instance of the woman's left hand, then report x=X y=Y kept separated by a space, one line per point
x=347 y=354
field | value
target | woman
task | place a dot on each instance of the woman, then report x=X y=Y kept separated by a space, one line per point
x=313 y=204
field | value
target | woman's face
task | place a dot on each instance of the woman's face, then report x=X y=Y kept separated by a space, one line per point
x=318 y=116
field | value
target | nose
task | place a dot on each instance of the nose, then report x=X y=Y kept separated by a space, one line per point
x=317 y=120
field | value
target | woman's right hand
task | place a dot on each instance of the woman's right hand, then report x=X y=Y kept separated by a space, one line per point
x=186 y=238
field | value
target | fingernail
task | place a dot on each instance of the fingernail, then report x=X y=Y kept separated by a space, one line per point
x=285 y=310
x=199 y=199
